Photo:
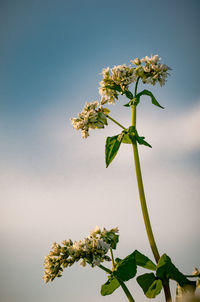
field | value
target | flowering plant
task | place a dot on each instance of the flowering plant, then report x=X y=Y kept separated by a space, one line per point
x=99 y=245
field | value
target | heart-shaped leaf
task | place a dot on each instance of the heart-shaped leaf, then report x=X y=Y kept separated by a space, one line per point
x=143 y=261
x=126 y=268
x=166 y=270
x=150 y=284
x=110 y=286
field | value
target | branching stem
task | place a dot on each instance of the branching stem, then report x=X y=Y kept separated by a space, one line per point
x=124 y=287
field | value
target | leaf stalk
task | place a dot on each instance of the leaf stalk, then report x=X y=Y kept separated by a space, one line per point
x=124 y=287
x=112 y=259
x=113 y=120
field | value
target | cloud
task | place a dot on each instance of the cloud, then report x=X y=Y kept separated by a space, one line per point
x=177 y=132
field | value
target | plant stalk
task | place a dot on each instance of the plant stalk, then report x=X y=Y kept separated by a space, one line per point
x=142 y=194
x=143 y=202
x=143 y=199
x=192 y=276
x=124 y=287
x=114 y=121
x=112 y=259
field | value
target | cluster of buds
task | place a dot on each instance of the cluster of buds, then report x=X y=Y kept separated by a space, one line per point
x=108 y=95
x=91 y=250
x=150 y=70
x=90 y=118
x=123 y=76
x=118 y=80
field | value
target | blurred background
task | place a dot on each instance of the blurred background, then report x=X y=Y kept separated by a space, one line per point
x=53 y=184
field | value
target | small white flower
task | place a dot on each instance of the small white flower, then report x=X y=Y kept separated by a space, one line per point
x=103 y=245
x=151 y=71
x=96 y=230
x=115 y=230
x=77 y=245
x=89 y=118
x=83 y=263
x=136 y=61
x=84 y=133
x=46 y=278
x=196 y=272
x=96 y=261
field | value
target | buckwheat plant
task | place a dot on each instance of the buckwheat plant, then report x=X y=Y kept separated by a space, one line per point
x=98 y=247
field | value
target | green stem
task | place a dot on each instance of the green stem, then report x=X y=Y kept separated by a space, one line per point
x=141 y=189
x=112 y=119
x=136 y=85
x=127 y=292
x=125 y=289
x=112 y=259
x=107 y=270
x=192 y=276
x=143 y=201
x=140 y=185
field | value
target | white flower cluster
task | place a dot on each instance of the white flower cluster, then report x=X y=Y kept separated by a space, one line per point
x=91 y=250
x=150 y=70
x=118 y=81
x=89 y=118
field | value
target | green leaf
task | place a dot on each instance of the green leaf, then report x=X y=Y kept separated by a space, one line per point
x=128 y=94
x=110 y=286
x=129 y=104
x=118 y=88
x=134 y=101
x=153 y=99
x=102 y=117
x=141 y=141
x=126 y=268
x=126 y=139
x=143 y=261
x=105 y=110
x=113 y=239
x=150 y=284
x=114 y=86
x=112 y=146
x=166 y=270
x=132 y=135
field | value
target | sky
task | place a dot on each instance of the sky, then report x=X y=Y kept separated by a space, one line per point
x=54 y=184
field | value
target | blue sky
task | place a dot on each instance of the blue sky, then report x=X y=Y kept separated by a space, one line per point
x=51 y=56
